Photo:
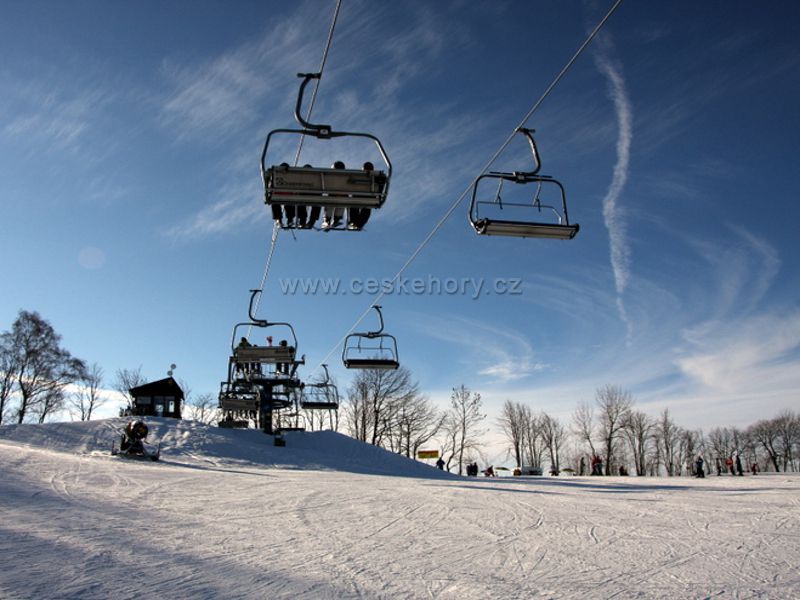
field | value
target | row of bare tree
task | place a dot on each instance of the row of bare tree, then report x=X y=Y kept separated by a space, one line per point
x=612 y=429
x=533 y=437
x=386 y=408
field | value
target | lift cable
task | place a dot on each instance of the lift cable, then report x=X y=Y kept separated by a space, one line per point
x=275 y=226
x=486 y=167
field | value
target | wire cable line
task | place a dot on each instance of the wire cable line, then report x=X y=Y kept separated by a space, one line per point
x=486 y=167
x=275 y=228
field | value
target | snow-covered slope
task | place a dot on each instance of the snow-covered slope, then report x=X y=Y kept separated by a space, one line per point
x=192 y=442
x=228 y=515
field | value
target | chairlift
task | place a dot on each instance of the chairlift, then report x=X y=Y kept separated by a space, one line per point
x=371 y=350
x=300 y=192
x=323 y=395
x=256 y=363
x=554 y=222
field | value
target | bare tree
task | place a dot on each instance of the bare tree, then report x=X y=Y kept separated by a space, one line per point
x=8 y=373
x=188 y=396
x=638 y=430
x=203 y=408
x=463 y=423
x=614 y=404
x=787 y=424
x=373 y=399
x=125 y=380
x=721 y=445
x=669 y=434
x=583 y=422
x=689 y=446
x=534 y=445
x=43 y=369
x=314 y=420
x=766 y=433
x=87 y=398
x=553 y=436
x=513 y=423
x=449 y=439
x=417 y=421
x=655 y=457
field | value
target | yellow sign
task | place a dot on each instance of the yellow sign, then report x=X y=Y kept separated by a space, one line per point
x=427 y=454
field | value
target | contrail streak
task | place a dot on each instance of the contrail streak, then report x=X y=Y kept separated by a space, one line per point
x=612 y=213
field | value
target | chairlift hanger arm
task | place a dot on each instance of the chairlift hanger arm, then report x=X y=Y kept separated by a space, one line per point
x=261 y=323
x=528 y=133
x=253 y=295
x=327 y=375
x=318 y=130
x=374 y=334
x=379 y=332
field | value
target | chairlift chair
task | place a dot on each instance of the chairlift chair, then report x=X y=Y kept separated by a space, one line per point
x=371 y=350
x=557 y=227
x=323 y=395
x=308 y=186
x=252 y=362
x=233 y=397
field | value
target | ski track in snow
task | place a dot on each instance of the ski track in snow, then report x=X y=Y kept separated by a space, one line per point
x=227 y=515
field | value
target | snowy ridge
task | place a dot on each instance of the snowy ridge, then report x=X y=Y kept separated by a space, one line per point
x=194 y=443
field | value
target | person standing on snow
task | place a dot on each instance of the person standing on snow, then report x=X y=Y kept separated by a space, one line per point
x=698 y=467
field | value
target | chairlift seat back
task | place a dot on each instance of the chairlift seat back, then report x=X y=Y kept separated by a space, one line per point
x=264 y=354
x=231 y=403
x=311 y=186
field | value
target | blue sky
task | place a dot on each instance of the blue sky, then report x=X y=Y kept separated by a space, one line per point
x=132 y=213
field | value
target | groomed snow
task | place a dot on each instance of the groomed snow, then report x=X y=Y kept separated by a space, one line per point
x=226 y=514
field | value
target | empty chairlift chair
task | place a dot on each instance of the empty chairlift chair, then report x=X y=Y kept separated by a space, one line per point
x=298 y=194
x=322 y=395
x=371 y=350
x=545 y=216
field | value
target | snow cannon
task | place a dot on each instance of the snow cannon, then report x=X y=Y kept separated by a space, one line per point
x=136 y=430
x=132 y=445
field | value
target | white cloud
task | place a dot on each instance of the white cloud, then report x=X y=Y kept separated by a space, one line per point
x=501 y=354
x=224 y=94
x=744 y=272
x=219 y=217
x=53 y=117
x=734 y=355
